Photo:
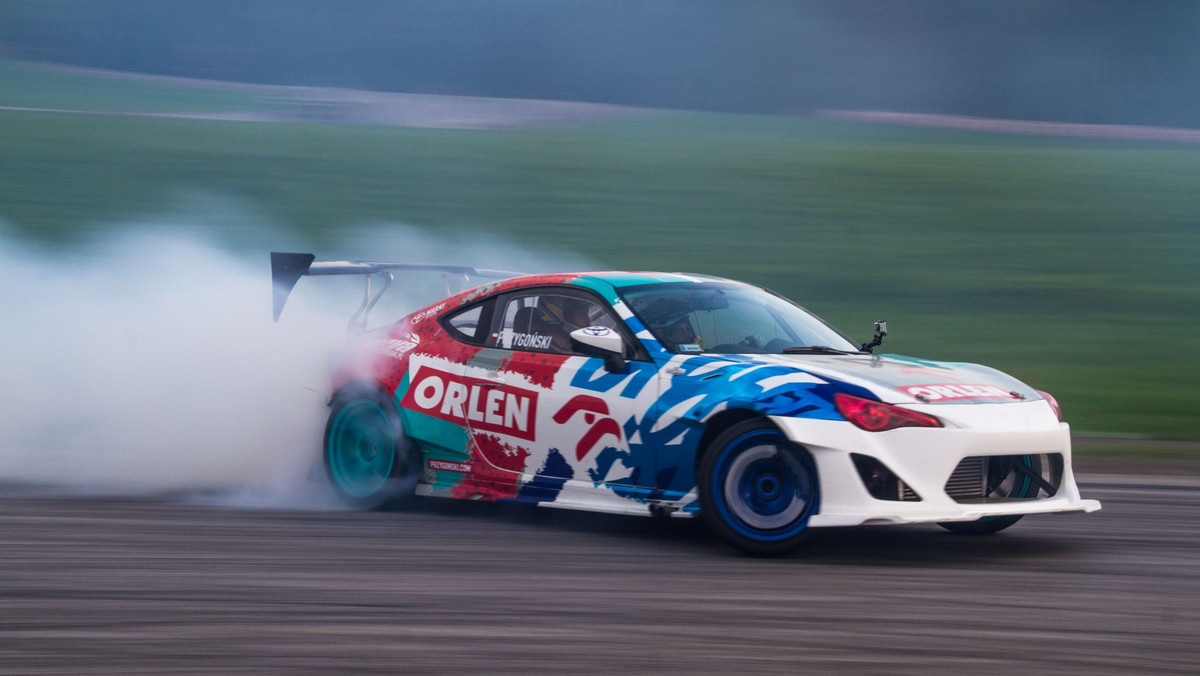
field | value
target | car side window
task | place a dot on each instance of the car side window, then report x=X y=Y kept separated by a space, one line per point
x=542 y=321
x=468 y=325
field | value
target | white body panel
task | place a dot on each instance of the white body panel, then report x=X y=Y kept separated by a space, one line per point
x=924 y=459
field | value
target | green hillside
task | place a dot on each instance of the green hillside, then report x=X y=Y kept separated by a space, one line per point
x=1068 y=262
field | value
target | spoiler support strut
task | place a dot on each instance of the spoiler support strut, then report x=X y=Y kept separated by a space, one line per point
x=288 y=268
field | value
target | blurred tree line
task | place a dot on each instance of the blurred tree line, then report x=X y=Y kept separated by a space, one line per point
x=1096 y=61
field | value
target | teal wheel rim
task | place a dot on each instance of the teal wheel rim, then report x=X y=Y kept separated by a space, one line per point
x=361 y=449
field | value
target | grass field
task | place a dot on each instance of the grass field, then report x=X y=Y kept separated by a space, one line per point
x=1070 y=263
x=29 y=85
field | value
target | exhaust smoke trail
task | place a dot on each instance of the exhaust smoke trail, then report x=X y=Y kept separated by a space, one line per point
x=150 y=364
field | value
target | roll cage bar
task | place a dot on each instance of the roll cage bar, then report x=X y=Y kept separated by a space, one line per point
x=288 y=268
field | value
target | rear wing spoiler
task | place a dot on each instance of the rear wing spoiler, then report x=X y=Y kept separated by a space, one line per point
x=288 y=268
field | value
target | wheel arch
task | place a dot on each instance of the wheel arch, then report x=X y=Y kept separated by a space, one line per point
x=714 y=426
x=350 y=388
x=742 y=513
x=366 y=388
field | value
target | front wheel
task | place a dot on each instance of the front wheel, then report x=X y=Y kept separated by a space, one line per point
x=985 y=526
x=758 y=489
x=364 y=450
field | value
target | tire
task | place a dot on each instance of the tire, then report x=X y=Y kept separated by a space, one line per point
x=1010 y=484
x=985 y=526
x=758 y=489
x=365 y=454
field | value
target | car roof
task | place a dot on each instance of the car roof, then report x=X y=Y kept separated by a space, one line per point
x=621 y=279
x=602 y=281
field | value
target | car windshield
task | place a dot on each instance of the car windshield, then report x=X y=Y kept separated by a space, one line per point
x=731 y=318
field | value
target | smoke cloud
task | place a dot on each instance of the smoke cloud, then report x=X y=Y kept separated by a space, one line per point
x=149 y=363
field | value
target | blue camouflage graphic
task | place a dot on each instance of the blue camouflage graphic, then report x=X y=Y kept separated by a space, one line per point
x=663 y=442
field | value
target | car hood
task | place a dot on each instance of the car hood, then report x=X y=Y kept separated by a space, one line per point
x=898 y=380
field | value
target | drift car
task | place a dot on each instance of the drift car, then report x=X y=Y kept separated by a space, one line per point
x=681 y=395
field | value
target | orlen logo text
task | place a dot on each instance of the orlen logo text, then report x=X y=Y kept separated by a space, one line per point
x=947 y=392
x=482 y=405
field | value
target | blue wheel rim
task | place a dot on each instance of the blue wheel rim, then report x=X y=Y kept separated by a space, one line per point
x=764 y=487
x=360 y=448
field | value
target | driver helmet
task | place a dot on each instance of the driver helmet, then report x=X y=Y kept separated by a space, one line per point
x=566 y=313
x=669 y=319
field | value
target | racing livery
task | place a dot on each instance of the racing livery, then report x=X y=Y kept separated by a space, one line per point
x=680 y=395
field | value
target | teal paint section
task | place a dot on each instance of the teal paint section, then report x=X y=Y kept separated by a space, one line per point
x=623 y=279
x=437 y=438
x=600 y=286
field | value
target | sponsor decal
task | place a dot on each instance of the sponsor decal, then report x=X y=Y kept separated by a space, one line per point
x=398 y=347
x=423 y=314
x=592 y=407
x=596 y=331
x=947 y=392
x=481 y=405
x=534 y=340
x=448 y=466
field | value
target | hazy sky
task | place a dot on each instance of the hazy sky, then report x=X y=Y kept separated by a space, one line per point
x=1074 y=60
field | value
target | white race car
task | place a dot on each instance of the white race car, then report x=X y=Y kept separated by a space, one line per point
x=680 y=395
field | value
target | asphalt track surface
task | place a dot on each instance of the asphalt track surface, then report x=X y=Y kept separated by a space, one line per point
x=93 y=585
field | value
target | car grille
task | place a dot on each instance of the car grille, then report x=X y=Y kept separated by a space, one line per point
x=969 y=479
x=1003 y=478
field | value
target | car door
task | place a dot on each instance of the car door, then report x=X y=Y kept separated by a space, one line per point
x=580 y=419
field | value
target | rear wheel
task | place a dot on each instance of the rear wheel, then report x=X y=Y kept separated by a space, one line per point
x=758 y=489
x=365 y=456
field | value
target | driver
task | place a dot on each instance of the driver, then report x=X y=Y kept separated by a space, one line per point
x=669 y=319
x=682 y=333
x=560 y=316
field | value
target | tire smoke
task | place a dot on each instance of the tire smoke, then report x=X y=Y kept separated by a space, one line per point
x=149 y=364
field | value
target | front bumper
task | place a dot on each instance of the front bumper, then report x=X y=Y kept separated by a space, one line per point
x=924 y=459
